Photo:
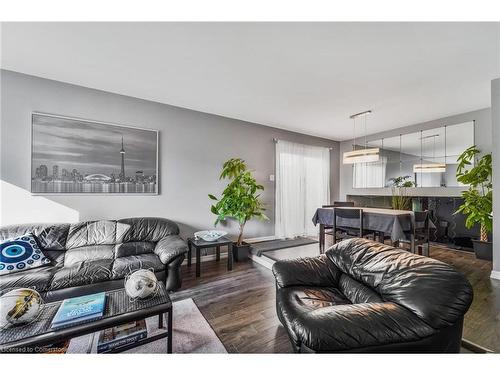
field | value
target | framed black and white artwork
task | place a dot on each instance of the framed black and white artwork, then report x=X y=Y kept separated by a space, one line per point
x=76 y=156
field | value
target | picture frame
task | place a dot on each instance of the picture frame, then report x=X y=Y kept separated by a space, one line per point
x=75 y=156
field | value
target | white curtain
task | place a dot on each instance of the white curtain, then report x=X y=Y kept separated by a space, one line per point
x=302 y=185
x=370 y=175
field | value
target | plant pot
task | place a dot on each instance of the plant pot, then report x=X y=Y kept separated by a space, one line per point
x=483 y=250
x=240 y=253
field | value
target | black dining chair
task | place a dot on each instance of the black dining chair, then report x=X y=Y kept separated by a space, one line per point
x=355 y=227
x=354 y=214
x=326 y=230
x=339 y=204
x=419 y=240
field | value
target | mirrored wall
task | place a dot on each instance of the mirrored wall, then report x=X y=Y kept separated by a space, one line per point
x=427 y=157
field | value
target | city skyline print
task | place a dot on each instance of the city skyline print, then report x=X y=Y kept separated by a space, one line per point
x=76 y=156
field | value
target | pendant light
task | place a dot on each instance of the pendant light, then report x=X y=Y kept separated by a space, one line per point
x=364 y=155
x=430 y=167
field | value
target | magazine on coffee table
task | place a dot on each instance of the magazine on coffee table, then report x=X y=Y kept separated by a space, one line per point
x=121 y=335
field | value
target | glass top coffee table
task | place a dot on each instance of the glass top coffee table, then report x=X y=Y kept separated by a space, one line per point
x=119 y=309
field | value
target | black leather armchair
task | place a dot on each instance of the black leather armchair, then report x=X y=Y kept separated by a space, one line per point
x=94 y=256
x=363 y=296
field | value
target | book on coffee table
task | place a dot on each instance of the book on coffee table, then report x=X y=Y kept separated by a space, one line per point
x=79 y=310
x=122 y=335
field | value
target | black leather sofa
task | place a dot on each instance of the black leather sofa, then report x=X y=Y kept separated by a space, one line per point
x=363 y=296
x=95 y=256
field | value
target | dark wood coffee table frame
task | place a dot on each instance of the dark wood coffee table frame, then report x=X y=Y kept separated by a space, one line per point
x=30 y=343
x=199 y=244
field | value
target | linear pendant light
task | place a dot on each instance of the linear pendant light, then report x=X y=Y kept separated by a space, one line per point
x=431 y=167
x=365 y=155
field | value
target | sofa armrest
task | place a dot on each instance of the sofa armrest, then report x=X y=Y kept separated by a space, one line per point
x=169 y=248
x=347 y=327
x=313 y=271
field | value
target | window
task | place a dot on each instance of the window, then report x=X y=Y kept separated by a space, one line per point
x=369 y=175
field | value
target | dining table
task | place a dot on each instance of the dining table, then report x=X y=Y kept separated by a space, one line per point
x=396 y=223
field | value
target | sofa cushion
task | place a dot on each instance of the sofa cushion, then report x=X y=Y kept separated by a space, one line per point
x=354 y=326
x=88 y=233
x=56 y=257
x=357 y=292
x=125 y=265
x=406 y=279
x=133 y=248
x=302 y=299
x=81 y=273
x=49 y=236
x=150 y=229
x=89 y=253
x=38 y=279
x=20 y=254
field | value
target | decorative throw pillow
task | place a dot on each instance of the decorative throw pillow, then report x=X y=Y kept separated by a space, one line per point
x=21 y=253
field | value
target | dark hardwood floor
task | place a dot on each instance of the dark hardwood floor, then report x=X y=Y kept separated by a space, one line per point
x=240 y=305
x=482 y=321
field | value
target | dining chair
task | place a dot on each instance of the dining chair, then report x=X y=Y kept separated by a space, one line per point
x=354 y=229
x=326 y=230
x=419 y=240
x=347 y=231
x=339 y=204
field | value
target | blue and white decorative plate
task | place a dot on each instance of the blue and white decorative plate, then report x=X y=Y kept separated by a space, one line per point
x=21 y=253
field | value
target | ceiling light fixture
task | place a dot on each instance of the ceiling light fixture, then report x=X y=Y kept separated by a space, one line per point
x=430 y=167
x=363 y=155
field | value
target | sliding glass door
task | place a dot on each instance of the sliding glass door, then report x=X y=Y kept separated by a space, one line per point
x=302 y=185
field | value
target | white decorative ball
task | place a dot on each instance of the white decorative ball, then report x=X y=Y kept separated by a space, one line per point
x=19 y=306
x=141 y=284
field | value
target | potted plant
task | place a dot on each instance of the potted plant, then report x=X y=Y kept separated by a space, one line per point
x=240 y=201
x=478 y=199
x=400 y=198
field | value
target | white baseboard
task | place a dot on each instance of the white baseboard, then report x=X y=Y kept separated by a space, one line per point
x=263 y=261
x=260 y=239
x=495 y=275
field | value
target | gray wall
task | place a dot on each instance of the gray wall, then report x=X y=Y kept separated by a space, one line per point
x=495 y=117
x=482 y=140
x=193 y=146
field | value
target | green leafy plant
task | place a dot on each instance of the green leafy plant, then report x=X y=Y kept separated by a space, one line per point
x=478 y=199
x=240 y=199
x=400 y=198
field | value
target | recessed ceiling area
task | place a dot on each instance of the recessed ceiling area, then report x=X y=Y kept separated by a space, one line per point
x=303 y=77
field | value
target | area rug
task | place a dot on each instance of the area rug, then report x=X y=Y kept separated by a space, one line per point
x=191 y=334
x=261 y=247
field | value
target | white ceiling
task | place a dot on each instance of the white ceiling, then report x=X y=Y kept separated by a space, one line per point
x=305 y=77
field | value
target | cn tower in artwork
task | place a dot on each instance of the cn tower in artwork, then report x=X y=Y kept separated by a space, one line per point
x=122 y=172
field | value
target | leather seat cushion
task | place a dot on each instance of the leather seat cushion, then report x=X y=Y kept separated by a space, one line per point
x=406 y=279
x=355 y=326
x=134 y=248
x=87 y=233
x=89 y=253
x=81 y=273
x=301 y=299
x=144 y=229
x=38 y=279
x=357 y=292
x=48 y=236
x=125 y=265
